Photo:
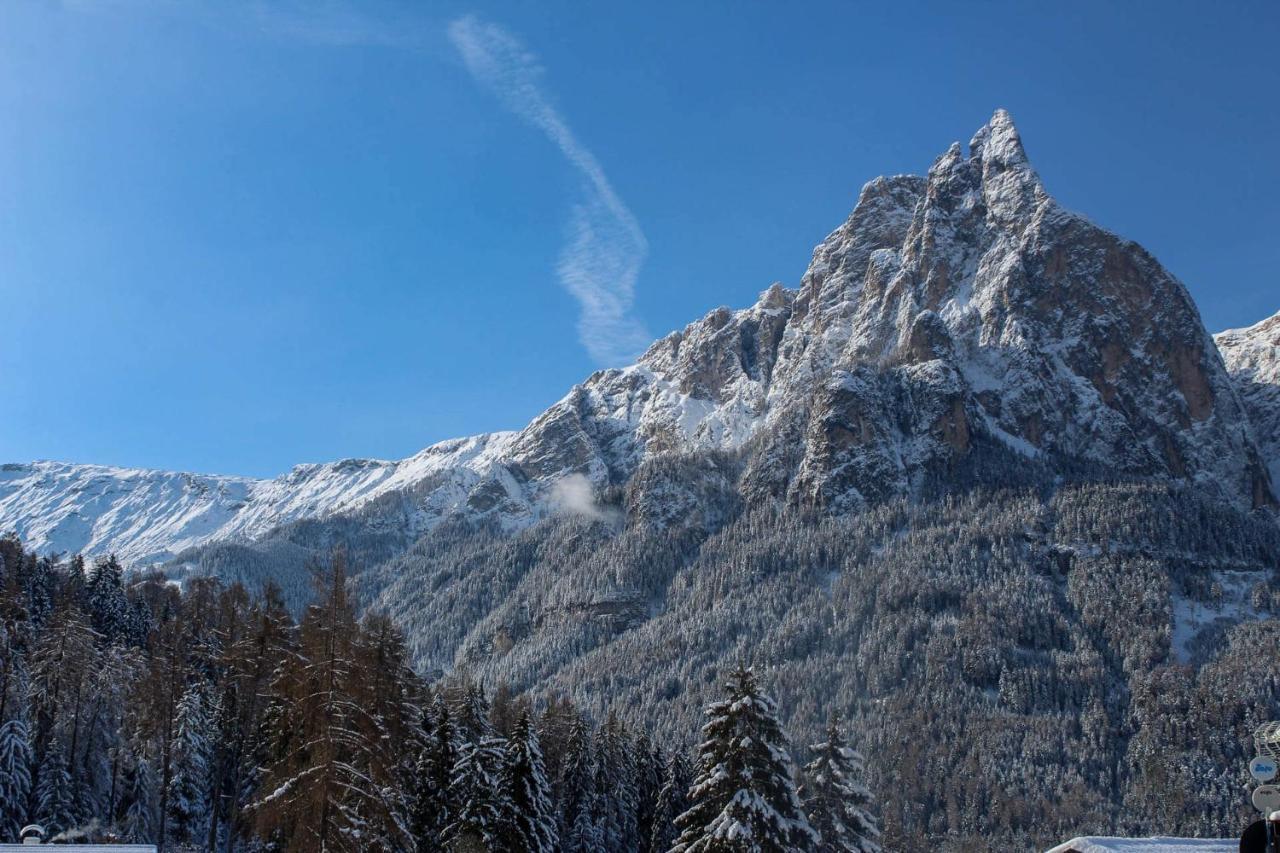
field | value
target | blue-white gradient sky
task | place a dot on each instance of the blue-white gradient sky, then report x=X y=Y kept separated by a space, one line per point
x=239 y=235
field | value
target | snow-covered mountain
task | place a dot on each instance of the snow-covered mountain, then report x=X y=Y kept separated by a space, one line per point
x=1253 y=357
x=148 y=516
x=960 y=319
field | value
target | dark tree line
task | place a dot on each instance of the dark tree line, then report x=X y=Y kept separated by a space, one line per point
x=200 y=717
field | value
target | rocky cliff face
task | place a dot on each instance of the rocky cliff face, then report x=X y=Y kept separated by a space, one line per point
x=957 y=319
x=1253 y=357
x=958 y=308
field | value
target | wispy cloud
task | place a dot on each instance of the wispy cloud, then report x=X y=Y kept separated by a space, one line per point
x=601 y=260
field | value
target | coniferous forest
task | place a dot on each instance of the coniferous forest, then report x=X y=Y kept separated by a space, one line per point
x=1018 y=665
x=202 y=717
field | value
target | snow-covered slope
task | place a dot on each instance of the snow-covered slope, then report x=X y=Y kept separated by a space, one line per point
x=149 y=516
x=1253 y=357
x=957 y=319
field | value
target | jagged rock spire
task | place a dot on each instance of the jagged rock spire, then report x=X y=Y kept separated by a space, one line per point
x=998 y=141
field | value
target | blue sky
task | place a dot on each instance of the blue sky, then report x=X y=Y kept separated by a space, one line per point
x=237 y=236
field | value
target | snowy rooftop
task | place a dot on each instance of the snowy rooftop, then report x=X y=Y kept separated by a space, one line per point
x=79 y=848
x=1099 y=844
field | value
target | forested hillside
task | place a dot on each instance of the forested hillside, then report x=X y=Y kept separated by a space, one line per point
x=1023 y=664
x=204 y=718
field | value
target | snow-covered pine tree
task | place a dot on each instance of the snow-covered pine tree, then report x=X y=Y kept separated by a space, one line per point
x=616 y=786
x=137 y=804
x=555 y=730
x=576 y=816
x=672 y=801
x=473 y=714
x=744 y=799
x=650 y=767
x=586 y=835
x=139 y=623
x=75 y=583
x=836 y=799
x=109 y=608
x=482 y=808
x=40 y=588
x=97 y=769
x=55 y=800
x=433 y=802
x=189 y=785
x=530 y=826
x=15 y=777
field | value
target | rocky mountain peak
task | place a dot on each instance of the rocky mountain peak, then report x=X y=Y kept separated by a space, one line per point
x=973 y=298
x=997 y=143
x=957 y=320
x=958 y=309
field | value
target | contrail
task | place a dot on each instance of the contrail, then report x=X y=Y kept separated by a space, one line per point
x=601 y=261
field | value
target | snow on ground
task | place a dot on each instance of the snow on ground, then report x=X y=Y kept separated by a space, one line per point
x=1100 y=844
x=1191 y=616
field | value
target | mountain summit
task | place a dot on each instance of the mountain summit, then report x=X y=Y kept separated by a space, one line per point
x=960 y=317
x=960 y=324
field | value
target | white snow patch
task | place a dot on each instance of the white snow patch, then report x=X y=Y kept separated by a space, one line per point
x=1191 y=616
x=1158 y=844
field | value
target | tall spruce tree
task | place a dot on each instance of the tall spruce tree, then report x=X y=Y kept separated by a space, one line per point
x=744 y=799
x=576 y=812
x=530 y=825
x=55 y=799
x=137 y=803
x=650 y=769
x=108 y=606
x=672 y=801
x=473 y=714
x=836 y=800
x=616 y=785
x=188 y=801
x=15 y=777
x=433 y=800
x=482 y=809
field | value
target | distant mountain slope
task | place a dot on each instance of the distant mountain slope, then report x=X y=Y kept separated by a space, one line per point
x=149 y=516
x=1253 y=357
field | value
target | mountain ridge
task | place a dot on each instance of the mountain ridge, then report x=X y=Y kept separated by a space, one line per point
x=951 y=310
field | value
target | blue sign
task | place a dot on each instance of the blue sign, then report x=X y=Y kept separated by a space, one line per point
x=1263 y=768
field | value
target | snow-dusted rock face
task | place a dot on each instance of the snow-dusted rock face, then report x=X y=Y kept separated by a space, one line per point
x=1253 y=357
x=956 y=317
x=961 y=307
